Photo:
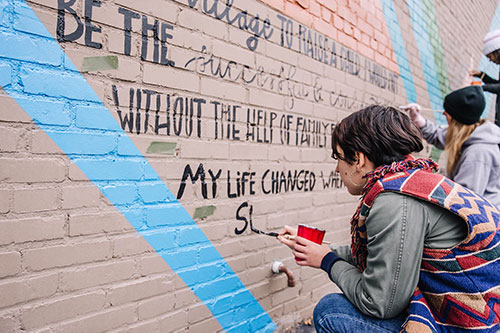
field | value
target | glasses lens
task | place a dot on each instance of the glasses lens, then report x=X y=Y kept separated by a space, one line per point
x=337 y=157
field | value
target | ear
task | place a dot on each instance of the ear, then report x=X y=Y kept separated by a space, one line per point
x=363 y=163
x=360 y=160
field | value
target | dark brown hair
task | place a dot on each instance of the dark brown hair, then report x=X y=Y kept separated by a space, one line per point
x=496 y=54
x=383 y=133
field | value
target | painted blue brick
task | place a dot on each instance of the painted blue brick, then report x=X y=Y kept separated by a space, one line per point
x=218 y=287
x=84 y=143
x=102 y=169
x=26 y=20
x=160 y=239
x=180 y=258
x=127 y=148
x=155 y=192
x=201 y=274
x=43 y=111
x=190 y=235
x=5 y=73
x=261 y=324
x=95 y=117
x=249 y=311
x=255 y=323
x=401 y=56
x=13 y=46
x=135 y=216
x=67 y=85
x=150 y=173
x=158 y=215
x=222 y=305
x=241 y=298
x=231 y=322
x=120 y=194
x=207 y=254
x=251 y=308
x=168 y=214
x=212 y=271
x=5 y=7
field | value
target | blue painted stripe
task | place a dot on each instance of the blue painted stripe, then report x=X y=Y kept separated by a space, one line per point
x=399 y=48
x=421 y=33
x=489 y=67
x=41 y=78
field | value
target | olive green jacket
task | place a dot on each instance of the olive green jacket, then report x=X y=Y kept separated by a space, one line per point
x=398 y=228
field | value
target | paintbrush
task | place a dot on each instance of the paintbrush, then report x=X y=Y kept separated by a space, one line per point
x=403 y=107
x=290 y=237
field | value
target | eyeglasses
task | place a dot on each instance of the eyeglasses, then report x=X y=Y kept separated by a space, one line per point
x=337 y=157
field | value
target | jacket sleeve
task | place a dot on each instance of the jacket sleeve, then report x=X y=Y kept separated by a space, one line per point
x=473 y=170
x=493 y=88
x=343 y=251
x=395 y=247
x=434 y=135
x=489 y=79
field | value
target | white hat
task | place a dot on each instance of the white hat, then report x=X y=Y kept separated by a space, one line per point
x=491 y=42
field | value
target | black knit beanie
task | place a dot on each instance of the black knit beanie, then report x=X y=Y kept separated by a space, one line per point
x=465 y=105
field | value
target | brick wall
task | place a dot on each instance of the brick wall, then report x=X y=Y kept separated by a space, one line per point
x=140 y=141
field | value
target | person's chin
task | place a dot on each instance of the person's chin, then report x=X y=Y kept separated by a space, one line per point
x=353 y=191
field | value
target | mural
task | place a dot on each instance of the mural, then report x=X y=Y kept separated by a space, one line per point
x=202 y=123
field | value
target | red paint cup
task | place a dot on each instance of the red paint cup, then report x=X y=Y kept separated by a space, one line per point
x=311 y=233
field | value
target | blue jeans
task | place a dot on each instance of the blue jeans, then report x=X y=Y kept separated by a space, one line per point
x=334 y=313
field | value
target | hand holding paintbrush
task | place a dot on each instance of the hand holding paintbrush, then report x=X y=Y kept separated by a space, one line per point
x=414 y=112
x=310 y=250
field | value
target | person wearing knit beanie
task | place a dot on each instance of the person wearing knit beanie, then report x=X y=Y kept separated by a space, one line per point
x=465 y=105
x=491 y=43
x=471 y=144
x=491 y=49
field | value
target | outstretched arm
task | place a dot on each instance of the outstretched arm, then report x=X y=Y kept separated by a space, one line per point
x=493 y=88
x=396 y=231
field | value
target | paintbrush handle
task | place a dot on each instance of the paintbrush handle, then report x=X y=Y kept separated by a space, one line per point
x=403 y=107
x=290 y=237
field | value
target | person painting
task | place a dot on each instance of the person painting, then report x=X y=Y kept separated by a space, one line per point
x=491 y=49
x=424 y=249
x=471 y=144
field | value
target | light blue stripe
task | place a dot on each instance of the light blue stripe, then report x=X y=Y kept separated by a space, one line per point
x=489 y=67
x=419 y=24
x=44 y=76
x=398 y=45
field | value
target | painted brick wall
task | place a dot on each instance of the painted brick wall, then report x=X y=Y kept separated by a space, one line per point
x=141 y=141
